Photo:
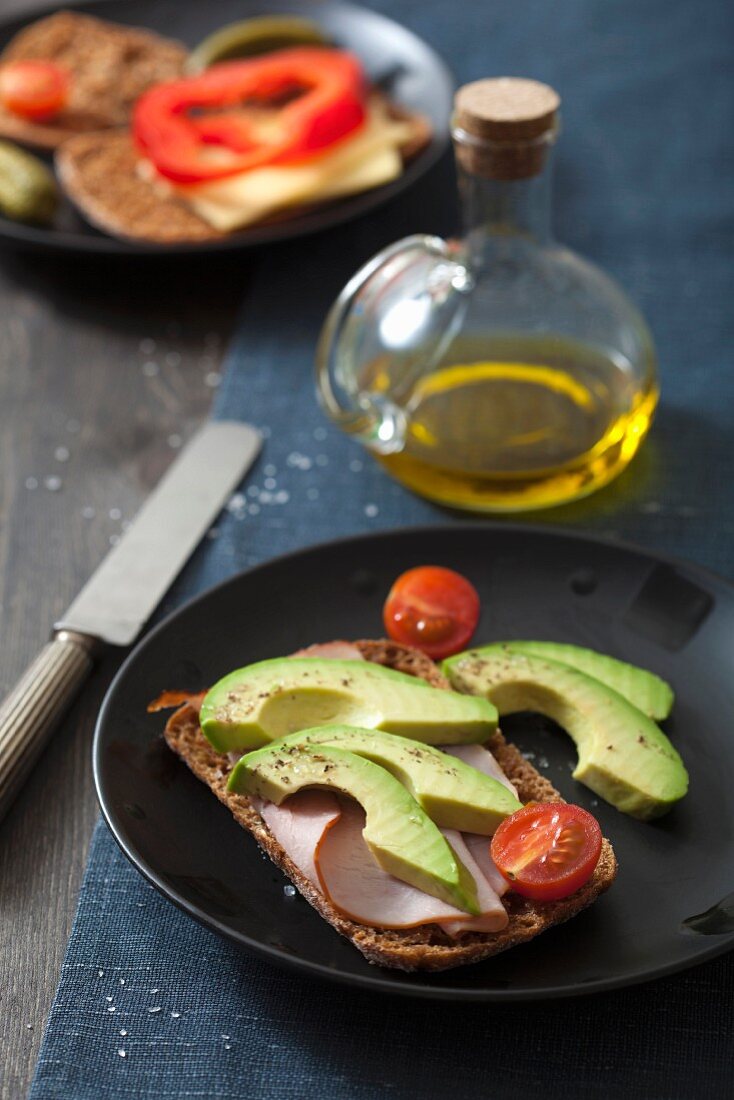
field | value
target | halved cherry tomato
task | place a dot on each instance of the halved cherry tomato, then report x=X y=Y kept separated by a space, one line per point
x=34 y=89
x=547 y=850
x=432 y=608
x=199 y=128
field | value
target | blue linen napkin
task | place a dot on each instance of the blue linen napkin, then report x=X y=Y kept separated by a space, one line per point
x=149 y=1004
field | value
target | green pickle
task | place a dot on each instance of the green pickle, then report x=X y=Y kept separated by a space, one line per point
x=28 y=191
x=251 y=37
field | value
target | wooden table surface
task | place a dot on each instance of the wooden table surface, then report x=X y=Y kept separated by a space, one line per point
x=105 y=369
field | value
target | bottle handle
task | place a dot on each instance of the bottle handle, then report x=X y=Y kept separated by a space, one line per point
x=374 y=418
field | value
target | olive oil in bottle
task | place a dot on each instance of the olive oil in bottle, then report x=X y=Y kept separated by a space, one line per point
x=502 y=372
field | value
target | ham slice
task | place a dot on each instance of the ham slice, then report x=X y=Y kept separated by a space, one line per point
x=359 y=888
x=480 y=758
x=300 y=825
x=342 y=651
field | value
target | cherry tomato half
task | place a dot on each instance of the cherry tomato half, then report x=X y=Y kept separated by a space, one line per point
x=33 y=89
x=547 y=850
x=434 y=609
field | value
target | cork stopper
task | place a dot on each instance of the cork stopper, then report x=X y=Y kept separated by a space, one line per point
x=504 y=127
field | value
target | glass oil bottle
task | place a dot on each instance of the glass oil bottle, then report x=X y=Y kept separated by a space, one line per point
x=501 y=372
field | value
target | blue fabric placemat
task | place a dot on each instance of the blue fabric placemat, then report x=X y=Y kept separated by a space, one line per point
x=150 y=1005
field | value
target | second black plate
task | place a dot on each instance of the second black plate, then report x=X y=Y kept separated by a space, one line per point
x=405 y=67
x=672 y=618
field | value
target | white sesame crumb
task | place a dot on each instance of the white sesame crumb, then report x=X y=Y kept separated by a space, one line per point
x=156 y=990
x=123 y=1031
x=62 y=454
x=53 y=483
x=282 y=496
x=100 y=973
x=122 y=1053
x=225 y=1036
x=212 y=379
x=175 y=1015
x=112 y=1009
x=371 y=510
x=227 y=1046
x=108 y=998
x=29 y=1026
x=156 y=1009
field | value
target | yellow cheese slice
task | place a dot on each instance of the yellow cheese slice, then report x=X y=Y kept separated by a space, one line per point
x=367 y=160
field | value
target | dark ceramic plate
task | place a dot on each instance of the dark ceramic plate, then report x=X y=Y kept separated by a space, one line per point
x=404 y=66
x=666 y=616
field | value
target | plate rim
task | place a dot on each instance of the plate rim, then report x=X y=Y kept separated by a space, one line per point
x=28 y=237
x=377 y=982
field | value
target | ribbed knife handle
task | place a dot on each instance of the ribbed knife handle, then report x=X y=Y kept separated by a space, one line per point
x=30 y=711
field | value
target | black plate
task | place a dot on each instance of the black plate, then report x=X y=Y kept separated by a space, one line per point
x=666 y=616
x=401 y=63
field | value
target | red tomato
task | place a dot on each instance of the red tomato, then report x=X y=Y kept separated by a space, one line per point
x=433 y=609
x=547 y=850
x=33 y=89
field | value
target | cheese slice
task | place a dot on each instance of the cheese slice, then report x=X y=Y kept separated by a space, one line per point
x=369 y=159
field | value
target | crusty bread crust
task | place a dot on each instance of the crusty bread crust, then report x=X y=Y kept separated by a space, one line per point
x=110 y=66
x=427 y=947
x=100 y=174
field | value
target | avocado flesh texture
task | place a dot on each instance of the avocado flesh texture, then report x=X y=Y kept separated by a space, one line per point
x=643 y=689
x=265 y=701
x=400 y=835
x=623 y=756
x=452 y=793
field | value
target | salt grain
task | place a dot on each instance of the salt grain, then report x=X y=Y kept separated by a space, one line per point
x=282 y=496
x=150 y=369
x=371 y=510
x=156 y=990
x=224 y=1036
x=227 y=1046
x=156 y=1009
x=122 y=1053
x=108 y=998
x=31 y=483
x=62 y=454
x=212 y=379
x=53 y=483
x=122 y=981
x=100 y=973
x=123 y=1032
x=112 y=1009
x=175 y=1015
x=289 y=891
x=29 y=1026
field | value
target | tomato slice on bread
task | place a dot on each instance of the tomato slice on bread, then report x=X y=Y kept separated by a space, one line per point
x=34 y=89
x=547 y=850
x=432 y=608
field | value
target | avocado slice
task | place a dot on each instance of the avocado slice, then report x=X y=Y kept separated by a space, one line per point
x=400 y=835
x=453 y=794
x=623 y=756
x=265 y=701
x=646 y=691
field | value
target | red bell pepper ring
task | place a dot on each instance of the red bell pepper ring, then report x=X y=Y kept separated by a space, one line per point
x=192 y=130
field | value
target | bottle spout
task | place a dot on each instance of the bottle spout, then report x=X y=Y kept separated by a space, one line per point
x=389 y=327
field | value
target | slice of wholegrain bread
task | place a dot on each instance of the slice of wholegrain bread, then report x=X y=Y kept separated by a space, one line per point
x=427 y=947
x=110 y=65
x=101 y=175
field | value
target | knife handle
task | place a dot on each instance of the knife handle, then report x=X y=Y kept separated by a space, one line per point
x=35 y=704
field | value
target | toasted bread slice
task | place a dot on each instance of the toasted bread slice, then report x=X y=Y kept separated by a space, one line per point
x=110 y=66
x=427 y=947
x=100 y=174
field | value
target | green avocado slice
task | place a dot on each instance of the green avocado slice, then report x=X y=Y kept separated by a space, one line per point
x=622 y=755
x=646 y=691
x=453 y=794
x=268 y=700
x=400 y=835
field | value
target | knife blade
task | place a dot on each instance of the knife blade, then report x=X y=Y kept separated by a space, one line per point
x=117 y=601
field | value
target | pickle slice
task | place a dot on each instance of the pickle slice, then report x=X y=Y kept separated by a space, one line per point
x=28 y=191
x=251 y=37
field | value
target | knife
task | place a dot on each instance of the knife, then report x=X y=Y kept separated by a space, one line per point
x=121 y=595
